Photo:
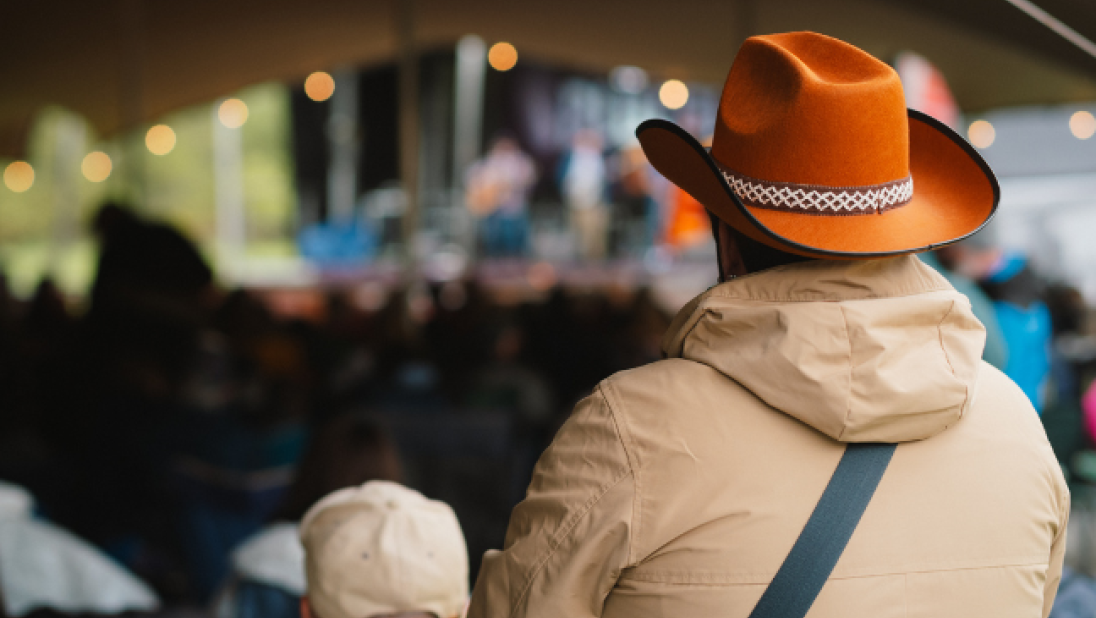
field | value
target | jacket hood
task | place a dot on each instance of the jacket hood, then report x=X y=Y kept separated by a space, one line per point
x=863 y=351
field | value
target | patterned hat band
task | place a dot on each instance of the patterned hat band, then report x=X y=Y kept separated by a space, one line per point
x=819 y=199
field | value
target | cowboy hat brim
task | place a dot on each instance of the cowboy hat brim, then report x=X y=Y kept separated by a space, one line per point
x=954 y=195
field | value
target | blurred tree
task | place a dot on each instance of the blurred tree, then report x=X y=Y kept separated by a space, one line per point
x=42 y=233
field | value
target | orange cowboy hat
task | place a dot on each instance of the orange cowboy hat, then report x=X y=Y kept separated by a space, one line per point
x=815 y=154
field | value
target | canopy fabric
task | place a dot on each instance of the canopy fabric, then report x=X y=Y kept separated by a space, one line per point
x=122 y=63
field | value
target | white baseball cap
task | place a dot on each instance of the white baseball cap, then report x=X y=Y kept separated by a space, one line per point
x=383 y=549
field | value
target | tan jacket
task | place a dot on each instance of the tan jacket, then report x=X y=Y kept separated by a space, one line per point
x=677 y=489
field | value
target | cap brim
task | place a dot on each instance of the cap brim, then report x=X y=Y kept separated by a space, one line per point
x=954 y=195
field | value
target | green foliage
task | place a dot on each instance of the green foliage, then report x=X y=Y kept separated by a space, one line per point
x=269 y=192
x=44 y=231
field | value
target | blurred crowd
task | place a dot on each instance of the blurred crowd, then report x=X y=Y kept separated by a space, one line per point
x=1037 y=333
x=182 y=430
x=174 y=425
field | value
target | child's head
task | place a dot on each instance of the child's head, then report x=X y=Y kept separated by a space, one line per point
x=380 y=550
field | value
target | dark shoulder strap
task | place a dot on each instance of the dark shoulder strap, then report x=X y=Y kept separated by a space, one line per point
x=819 y=546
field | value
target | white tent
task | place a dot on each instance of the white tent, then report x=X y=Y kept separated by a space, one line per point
x=124 y=62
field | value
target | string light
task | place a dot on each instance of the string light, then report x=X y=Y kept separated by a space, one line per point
x=502 y=56
x=1082 y=125
x=232 y=113
x=160 y=139
x=319 y=86
x=674 y=94
x=19 y=176
x=96 y=166
x=981 y=133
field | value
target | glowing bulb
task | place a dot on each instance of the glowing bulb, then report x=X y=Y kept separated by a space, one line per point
x=502 y=56
x=674 y=94
x=232 y=113
x=19 y=176
x=319 y=86
x=96 y=166
x=981 y=134
x=1082 y=125
x=160 y=139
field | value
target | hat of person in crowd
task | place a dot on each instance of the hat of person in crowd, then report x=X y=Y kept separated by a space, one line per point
x=383 y=549
x=815 y=153
x=15 y=501
x=44 y=567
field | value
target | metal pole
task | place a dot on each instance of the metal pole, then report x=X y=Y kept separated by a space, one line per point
x=131 y=112
x=342 y=136
x=228 y=180
x=409 y=126
x=468 y=107
x=71 y=142
x=471 y=69
x=1058 y=26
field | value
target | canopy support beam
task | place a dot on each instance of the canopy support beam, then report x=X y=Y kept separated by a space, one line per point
x=1055 y=24
x=409 y=126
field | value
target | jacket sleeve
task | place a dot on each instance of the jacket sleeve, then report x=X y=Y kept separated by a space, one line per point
x=570 y=538
x=1057 y=552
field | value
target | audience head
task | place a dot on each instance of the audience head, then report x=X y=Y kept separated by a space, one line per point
x=113 y=218
x=383 y=550
x=345 y=451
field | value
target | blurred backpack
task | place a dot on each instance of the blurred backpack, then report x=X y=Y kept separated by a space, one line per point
x=1076 y=596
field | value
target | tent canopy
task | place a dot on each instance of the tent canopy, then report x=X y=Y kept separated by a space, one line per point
x=122 y=63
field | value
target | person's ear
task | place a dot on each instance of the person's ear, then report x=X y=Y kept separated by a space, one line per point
x=306 y=609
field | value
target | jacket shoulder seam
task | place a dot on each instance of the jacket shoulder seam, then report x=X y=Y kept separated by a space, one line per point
x=940 y=337
x=947 y=357
x=848 y=395
x=631 y=454
x=564 y=532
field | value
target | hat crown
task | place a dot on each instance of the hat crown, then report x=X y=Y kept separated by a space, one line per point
x=809 y=109
x=383 y=549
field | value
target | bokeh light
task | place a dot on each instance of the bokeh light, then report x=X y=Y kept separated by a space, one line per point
x=19 y=176
x=96 y=166
x=629 y=79
x=502 y=56
x=319 y=86
x=981 y=134
x=674 y=94
x=232 y=113
x=1082 y=125
x=160 y=139
x=370 y=297
x=542 y=276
